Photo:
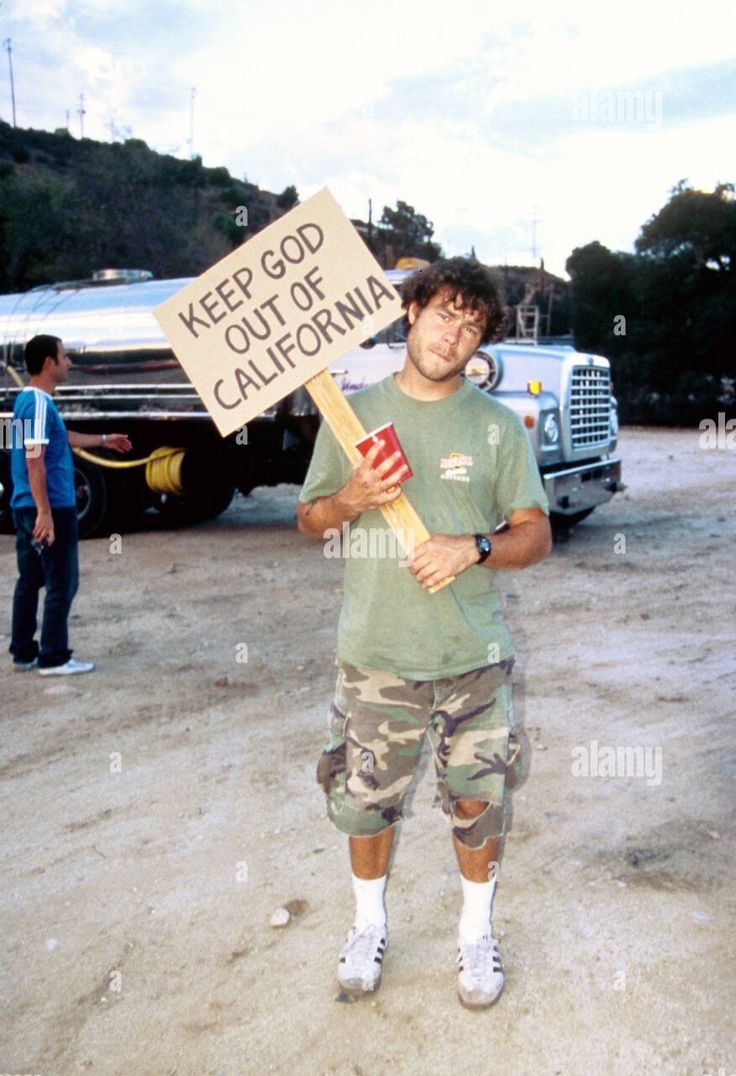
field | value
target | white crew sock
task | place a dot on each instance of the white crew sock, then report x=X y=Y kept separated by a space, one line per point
x=369 y=906
x=475 y=919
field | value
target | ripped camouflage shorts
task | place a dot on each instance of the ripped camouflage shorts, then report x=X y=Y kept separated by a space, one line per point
x=378 y=722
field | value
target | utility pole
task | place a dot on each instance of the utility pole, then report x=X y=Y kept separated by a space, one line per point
x=535 y=222
x=9 y=49
x=81 y=111
x=191 y=122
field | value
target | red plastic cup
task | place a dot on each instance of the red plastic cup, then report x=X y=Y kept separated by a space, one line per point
x=386 y=435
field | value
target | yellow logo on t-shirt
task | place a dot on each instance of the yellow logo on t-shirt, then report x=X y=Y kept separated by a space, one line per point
x=455 y=467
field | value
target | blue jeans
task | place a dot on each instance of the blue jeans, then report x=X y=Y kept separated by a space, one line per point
x=56 y=569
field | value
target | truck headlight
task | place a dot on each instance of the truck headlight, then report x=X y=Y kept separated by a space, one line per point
x=551 y=429
x=485 y=370
x=478 y=370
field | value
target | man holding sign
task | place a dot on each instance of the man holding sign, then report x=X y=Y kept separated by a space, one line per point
x=413 y=662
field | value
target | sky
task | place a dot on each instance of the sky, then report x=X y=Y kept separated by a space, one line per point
x=521 y=135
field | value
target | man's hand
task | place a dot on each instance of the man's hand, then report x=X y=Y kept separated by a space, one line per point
x=441 y=556
x=368 y=487
x=43 y=528
x=365 y=488
x=118 y=442
x=526 y=541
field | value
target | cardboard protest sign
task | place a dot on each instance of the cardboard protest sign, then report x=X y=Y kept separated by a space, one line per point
x=277 y=311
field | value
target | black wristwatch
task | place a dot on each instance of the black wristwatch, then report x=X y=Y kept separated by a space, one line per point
x=484 y=547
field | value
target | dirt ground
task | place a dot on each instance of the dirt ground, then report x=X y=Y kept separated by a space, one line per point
x=157 y=812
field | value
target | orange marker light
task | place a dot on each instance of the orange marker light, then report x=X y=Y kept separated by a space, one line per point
x=529 y=421
x=534 y=387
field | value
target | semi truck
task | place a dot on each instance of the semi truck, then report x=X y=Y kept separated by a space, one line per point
x=125 y=378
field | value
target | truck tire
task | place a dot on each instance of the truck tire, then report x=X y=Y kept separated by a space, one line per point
x=93 y=498
x=108 y=500
x=562 y=522
x=180 y=510
x=208 y=489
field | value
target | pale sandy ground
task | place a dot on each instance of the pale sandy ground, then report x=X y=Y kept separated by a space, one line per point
x=157 y=812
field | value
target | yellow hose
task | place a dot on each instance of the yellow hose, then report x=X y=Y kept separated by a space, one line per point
x=163 y=467
x=163 y=470
x=15 y=376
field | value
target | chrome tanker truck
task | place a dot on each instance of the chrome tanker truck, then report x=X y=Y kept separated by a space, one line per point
x=126 y=378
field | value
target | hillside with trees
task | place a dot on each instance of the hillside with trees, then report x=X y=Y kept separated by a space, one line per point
x=70 y=206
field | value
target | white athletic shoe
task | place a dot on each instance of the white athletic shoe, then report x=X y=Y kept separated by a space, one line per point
x=24 y=666
x=480 y=975
x=359 y=967
x=69 y=668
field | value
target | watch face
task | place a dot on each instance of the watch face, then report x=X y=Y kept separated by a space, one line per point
x=483 y=545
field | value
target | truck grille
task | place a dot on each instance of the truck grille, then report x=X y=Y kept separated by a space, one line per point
x=590 y=406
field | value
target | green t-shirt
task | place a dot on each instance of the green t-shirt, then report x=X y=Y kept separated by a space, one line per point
x=473 y=466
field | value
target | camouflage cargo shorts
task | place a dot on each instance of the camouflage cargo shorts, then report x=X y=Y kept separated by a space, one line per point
x=378 y=722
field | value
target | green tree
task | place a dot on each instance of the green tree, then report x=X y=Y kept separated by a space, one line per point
x=687 y=278
x=696 y=226
x=678 y=296
x=602 y=292
x=37 y=224
x=404 y=233
x=288 y=198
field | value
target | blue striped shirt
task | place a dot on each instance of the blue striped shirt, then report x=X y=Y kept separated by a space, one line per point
x=37 y=422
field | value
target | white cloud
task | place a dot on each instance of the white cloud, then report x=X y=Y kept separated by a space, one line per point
x=465 y=114
x=40 y=14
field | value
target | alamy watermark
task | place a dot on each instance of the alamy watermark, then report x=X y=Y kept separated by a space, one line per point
x=720 y=434
x=16 y=433
x=639 y=108
x=593 y=760
x=372 y=543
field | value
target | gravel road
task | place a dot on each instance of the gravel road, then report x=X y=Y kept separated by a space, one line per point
x=157 y=812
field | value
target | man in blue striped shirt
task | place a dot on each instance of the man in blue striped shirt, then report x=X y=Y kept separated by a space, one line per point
x=45 y=513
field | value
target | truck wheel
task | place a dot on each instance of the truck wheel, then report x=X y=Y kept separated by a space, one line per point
x=178 y=511
x=6 y=518
x=92 y=496
x=207 y=489
x=561 y=522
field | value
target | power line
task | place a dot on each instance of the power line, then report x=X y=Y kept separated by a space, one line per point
x=9 y=49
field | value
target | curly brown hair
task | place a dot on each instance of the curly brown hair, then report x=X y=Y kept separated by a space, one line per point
x=463 y=279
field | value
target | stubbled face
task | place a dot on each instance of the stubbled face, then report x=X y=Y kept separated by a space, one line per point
x=442 y=337
x=62 y=365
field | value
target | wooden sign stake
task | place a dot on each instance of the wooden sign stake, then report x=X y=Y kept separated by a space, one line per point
x=347 y=428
